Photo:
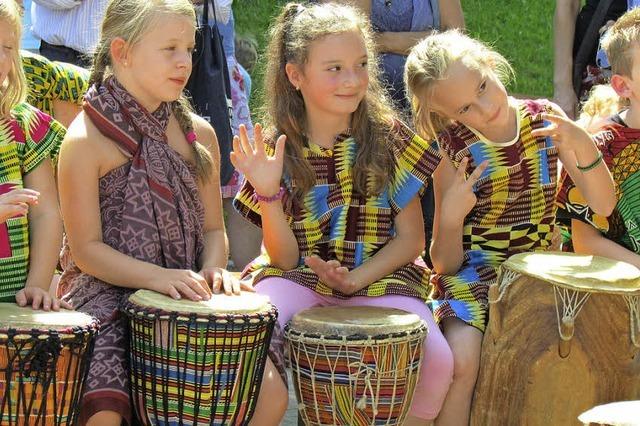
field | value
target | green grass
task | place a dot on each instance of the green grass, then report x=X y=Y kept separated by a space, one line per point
x=519 y=29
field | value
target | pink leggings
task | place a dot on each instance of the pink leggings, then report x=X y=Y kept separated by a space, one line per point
x=437 y=369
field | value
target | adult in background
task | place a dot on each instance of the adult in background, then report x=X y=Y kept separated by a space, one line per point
x=571 y=30
x=68 y=29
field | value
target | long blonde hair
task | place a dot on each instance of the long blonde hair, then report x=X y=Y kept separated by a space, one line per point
x=14 y=91
x=130 y=20
x=292 y=34
x=429 y=62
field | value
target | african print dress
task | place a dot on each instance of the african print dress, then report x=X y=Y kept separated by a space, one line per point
x=515 y=210
x=334 y=222
x=49 y=81
x=26 y=140
x=620 y=146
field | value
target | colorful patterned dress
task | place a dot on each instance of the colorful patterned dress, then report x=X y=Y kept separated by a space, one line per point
x=515 y=210
x=335 y=222
x=620 y=147
x=49 y=81
x=26 y=140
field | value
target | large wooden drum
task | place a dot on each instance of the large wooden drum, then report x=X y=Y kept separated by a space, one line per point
x=563 y=336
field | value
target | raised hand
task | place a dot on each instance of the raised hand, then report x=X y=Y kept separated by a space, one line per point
x=16 y=203
x=222 y=280
x=459 y=199
x=563 y=132
x=39 y=298
x=263 y=172
x=178 y=283
x=332 y=274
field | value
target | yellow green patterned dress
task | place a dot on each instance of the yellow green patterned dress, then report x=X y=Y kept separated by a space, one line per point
x=515 y=210
x=26 y=140
x=335 y=222
x=48 y=81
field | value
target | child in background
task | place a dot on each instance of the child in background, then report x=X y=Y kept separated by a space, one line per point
x=30 y=223
x=495 y=187
x=55 y=88
x=139 y=189
x=339 y=204
x=616 y=236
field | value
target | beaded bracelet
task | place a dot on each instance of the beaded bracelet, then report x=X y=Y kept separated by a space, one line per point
x=277 y=196
x=592 y=165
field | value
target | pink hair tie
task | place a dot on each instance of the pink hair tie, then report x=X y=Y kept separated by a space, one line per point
x=191 y=137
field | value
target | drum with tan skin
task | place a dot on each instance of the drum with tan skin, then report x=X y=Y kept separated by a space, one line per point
x=563 y=336
x=355 y=365
x=44 y=360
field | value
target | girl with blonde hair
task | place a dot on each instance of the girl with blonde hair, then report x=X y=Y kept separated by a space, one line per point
x=338 y=201
x=139 y=189
x=495 y=187
x=30 y=223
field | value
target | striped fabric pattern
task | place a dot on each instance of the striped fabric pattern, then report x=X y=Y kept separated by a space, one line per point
x=620 y=146
x=515 y=210
x=27 y=139
x=335 y=222
x=49 y=81
x=196 y=370
x=74 y=24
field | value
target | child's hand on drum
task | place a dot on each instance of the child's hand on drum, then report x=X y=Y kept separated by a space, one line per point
x=16 y=203
x=181 y=282
x=263 y=172
x=332 y=274
x=40 y=299
x=222 y=280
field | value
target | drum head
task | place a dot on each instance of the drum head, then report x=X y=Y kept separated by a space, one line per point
x=578 y=272
x=617 y=413
x=18 y=318
x=352 y=320
x=246 y=303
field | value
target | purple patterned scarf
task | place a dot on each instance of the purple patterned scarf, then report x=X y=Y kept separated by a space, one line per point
x=163 y=216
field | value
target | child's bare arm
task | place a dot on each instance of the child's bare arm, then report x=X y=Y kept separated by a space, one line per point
x=45 y=238
x=79 y=169
x=454 y=199
x=575 y=147
x=265 y=173
x=588 y=240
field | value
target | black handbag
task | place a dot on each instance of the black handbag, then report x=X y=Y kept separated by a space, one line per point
x=210 y=89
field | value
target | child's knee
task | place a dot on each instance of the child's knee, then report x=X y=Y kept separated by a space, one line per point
x=466 y=364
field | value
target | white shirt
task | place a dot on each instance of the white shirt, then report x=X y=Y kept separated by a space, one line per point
x=71 y=23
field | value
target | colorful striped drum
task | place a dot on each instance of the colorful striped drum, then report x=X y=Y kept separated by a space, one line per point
x=197 y=363
x=355 y=365
x=44 y=360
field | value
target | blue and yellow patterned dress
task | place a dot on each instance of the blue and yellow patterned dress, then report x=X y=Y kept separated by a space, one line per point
x=335 y=222
x=515 y=210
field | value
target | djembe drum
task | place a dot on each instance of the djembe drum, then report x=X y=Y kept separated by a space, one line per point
x=44 y=360
x=355 y=365
x=562 y=337
x=197 y=363
x=622 y=413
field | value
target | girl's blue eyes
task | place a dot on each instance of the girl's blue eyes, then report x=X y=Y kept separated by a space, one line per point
x=338 y=68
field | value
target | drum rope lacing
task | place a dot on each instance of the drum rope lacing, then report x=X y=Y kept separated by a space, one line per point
x=572 y=303
x=505 y=278
x=333 y=351
x=634 y=318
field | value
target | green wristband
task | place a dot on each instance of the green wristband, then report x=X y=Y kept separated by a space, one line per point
x=592 y=165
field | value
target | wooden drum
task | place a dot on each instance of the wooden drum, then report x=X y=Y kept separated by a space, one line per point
x=563 y=336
